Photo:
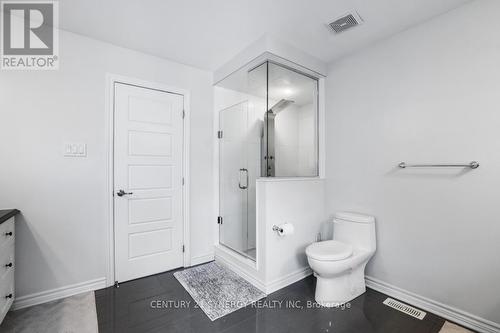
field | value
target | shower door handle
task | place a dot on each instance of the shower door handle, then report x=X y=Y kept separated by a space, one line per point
x=243 y=187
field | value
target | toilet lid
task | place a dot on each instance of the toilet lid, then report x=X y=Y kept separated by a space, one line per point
x=329 y=250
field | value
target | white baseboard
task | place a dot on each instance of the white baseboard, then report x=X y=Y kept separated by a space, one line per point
x=448 y=312
x=202 y=259
x=244 y=270
x=58 y=293
x=241 y=272
x=287 y=280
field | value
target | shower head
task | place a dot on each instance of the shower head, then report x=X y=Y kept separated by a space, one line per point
x=280 y=106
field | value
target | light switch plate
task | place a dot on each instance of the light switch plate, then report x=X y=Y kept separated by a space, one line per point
x=71 y=149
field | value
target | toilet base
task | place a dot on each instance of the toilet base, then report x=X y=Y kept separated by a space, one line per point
x=338 y=290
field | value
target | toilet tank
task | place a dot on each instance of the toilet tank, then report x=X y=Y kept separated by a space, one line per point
x=355 y=229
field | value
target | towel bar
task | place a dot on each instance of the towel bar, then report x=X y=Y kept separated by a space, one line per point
x=472 y=165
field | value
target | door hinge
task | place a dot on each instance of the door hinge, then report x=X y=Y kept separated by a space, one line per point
x=183 y=248
x=219 y=220
x=183 y=181
x=183 y=114
x=220 y=134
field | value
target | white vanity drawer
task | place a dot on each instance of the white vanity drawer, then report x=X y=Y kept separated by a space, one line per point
x=6 y=293
x=7 y=232
x=7 y=264
x=6 y=259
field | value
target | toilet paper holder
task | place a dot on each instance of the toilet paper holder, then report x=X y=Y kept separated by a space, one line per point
x=277 y=229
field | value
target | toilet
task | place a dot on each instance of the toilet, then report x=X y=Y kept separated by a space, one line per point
x=339 y=264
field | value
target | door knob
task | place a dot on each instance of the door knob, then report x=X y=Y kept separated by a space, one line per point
x=121 y=193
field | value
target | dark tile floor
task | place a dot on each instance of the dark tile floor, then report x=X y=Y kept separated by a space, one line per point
x=128 y=309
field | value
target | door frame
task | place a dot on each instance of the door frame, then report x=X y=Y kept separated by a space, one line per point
x=111 y=80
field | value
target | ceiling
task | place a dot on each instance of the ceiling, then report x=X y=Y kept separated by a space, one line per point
x=208 y=33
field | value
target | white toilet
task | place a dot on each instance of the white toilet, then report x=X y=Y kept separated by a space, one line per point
x=339 y=264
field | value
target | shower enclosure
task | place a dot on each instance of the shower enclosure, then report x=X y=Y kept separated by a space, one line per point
x=268 y=128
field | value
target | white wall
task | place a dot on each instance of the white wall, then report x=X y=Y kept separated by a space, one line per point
x=62 y=234
x=296 y=141
x=286 y=142
x=308 y=142
x=430 y=94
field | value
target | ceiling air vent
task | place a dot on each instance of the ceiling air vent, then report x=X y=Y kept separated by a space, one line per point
x=346 y=22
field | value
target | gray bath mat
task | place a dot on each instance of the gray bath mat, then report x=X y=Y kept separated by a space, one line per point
x=217 y=290
x=75 y=314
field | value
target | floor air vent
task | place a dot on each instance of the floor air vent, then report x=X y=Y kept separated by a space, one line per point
x=409 y=310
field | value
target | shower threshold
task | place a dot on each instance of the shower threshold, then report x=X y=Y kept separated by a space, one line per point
x=248 y=254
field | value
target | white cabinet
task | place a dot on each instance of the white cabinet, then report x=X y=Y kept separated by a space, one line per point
x=7 y=266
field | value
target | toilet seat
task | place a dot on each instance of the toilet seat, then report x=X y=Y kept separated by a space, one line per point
x=329 y=251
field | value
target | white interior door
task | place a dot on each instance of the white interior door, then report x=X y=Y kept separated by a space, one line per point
x=148 y=148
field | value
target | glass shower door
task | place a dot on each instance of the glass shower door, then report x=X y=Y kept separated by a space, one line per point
x=234 y=178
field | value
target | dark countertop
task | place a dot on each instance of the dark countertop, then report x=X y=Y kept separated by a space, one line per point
x=6 y=214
